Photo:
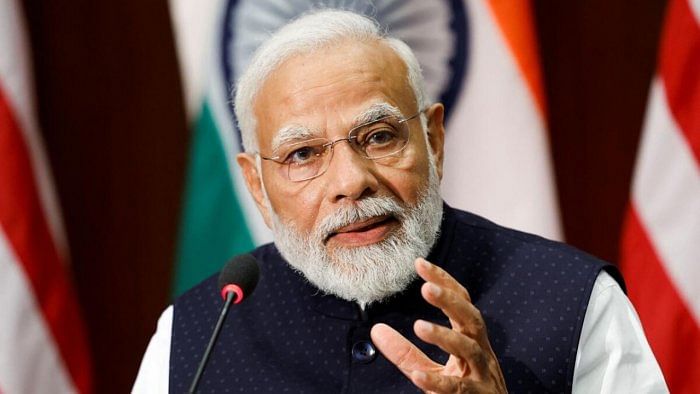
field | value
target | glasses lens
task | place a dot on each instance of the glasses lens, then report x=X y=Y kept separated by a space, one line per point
x=382 y=138
x=305 y=159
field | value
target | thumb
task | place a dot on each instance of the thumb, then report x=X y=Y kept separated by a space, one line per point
x=400 y=351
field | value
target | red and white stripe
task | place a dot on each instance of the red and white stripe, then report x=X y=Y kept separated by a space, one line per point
x=497 y=159
x=43 y=345
x=661 y=238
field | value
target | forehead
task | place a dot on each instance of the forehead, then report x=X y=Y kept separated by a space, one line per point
x=327 y=88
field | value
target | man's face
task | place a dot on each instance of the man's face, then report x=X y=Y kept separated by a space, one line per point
x=325 y=93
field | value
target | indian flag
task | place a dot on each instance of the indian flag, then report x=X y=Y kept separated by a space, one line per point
x=478 y=58
x=219 y=218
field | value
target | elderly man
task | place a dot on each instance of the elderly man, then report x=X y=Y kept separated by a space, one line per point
x=344 y=159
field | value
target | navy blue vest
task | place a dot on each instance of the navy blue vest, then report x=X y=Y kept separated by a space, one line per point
x=289 y=337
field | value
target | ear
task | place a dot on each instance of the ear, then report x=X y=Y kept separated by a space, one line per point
x=253 y=180
x=436 y=133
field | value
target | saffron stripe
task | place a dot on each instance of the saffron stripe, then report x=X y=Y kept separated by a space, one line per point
x=673 y=334
x=679 y=63
x=515 y=21
x=22 y=219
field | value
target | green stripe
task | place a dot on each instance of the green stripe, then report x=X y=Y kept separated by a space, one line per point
x=213 y=228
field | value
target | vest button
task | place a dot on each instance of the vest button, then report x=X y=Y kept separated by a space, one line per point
x=363 y=352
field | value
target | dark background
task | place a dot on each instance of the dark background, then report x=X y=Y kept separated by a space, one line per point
x=112 y=115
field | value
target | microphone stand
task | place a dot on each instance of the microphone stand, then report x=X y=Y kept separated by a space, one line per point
x=222 y=316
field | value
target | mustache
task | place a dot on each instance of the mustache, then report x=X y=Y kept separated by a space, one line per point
x=362 y=210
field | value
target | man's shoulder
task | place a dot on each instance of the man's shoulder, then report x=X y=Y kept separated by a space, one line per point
x=533 y=293
x=477 y=237
x=486 y=229
x=477 y=228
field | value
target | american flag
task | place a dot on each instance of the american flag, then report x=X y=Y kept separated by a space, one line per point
x=43 y=346
x=661 y=238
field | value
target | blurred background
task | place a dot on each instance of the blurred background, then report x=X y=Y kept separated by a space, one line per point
x=114 y=122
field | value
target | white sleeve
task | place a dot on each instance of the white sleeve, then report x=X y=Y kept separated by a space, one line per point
x=153 y=376
x=613 y=353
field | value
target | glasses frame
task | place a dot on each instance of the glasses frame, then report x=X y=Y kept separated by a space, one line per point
x=328 y=147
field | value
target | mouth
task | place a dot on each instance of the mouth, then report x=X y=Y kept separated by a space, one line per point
x=365 y=232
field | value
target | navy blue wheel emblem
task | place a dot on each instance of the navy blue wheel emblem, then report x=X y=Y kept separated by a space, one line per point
x=436 y=31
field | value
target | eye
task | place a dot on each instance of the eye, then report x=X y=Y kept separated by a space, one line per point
x=303 y=155
x=380 y=137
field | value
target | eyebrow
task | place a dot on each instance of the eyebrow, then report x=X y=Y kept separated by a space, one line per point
x=376 y=112
x=294 y=133
x=291 y=133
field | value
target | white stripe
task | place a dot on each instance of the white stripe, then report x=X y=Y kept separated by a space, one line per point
x=15 y=80
x=695 y=9
x=29 y=359
x=666 y=193
x=496 y=151
x=195 y=24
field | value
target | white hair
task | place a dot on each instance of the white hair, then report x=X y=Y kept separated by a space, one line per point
x=306 y=34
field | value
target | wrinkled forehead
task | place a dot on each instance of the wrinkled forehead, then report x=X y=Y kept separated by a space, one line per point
x=332 y=88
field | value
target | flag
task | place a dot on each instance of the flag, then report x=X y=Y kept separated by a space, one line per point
x=43 y=346
x=497 y=158
x=660 y=250
x=219 y=219
x=478 y=58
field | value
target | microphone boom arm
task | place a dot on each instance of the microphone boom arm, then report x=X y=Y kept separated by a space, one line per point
x=222 y=316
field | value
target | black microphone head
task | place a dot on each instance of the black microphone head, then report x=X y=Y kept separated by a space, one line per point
x=242 y=272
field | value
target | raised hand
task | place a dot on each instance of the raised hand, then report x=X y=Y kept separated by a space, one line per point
x=472 y=366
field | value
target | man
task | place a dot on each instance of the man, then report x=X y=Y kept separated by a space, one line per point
x=373 y=284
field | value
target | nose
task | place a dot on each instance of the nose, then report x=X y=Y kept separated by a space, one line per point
x=349 y=175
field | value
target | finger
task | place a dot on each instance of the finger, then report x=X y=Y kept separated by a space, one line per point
x=432 y=273
x=434 y=382
x=474 y=359
x=463 y=315
x=400 y=351
x=454 y=300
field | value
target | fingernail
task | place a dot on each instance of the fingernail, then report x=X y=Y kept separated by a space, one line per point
x=424 y=263
x=423 y=325
x=434 y=289
x=420 y=375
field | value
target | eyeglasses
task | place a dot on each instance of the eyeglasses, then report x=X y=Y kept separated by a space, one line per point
x=379 y=140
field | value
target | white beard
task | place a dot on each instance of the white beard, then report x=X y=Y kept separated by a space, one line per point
x=370 y=273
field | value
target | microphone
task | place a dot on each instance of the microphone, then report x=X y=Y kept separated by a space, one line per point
x=237 y=280
x=239 y=276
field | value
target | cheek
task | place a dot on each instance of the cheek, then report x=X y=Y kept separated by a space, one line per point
x=414 y=174
x=407 y=185
x=296 y=203
x=408 y=179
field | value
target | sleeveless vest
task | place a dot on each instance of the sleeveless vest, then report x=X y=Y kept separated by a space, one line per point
x=289 y=337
